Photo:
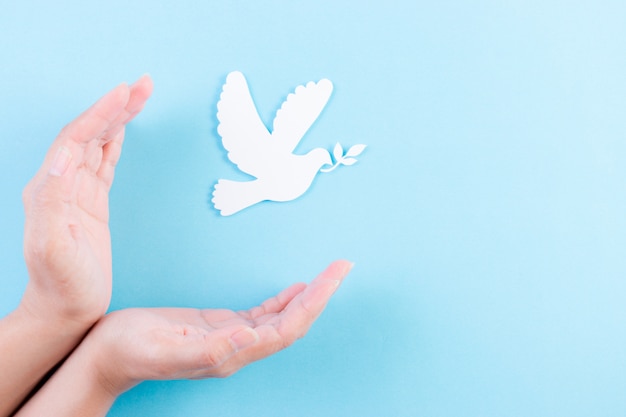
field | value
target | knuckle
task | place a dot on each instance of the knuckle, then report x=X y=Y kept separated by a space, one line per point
x=289 y=340
x=212 y=359
x=309 y=311
x=292 y=337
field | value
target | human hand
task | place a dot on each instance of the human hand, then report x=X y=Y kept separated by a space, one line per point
x=129 y=346
x=67 y=243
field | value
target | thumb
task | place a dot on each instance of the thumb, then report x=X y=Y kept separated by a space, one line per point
x=61 y=176
x=61 y=162
x=204 y=354
x=52 y=187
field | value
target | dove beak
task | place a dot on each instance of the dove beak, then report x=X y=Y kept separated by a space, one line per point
x=327 y=162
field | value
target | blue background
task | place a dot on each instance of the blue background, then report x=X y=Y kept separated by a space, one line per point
x=486 y=217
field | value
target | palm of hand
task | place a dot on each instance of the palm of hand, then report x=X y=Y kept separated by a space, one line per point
x=74 y=260
x=173 y=343
x=67 y=239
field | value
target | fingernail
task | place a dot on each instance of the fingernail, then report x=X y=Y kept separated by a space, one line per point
x=244 y=338
x=61 y=162
x=349 y=267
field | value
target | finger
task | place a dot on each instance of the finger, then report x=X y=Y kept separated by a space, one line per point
x=203 y=355
x=111 y=153
x=223 y=351
x=275 y=304
x=95 y=121
x=252 y=345
x=294 y=321
x=305 y=308
x=140 y=91
x=67 y=151
x=101 y=122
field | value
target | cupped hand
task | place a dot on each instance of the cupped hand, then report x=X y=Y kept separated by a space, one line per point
x=129 y=346
x=67 y=243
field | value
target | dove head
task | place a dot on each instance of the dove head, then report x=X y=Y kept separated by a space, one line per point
x=319 y=157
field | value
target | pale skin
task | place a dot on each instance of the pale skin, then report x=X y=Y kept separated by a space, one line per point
x=67 y=245
x=129 y=346
x=67 y=249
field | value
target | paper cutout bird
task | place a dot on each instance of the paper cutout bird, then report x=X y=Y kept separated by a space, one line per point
x=280 y=175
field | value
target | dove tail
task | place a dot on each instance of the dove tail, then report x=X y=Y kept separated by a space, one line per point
x=229 y=197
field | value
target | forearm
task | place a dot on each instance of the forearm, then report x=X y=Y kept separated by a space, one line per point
x=29 y=347
x=76 y=389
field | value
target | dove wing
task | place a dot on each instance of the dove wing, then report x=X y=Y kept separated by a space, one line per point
x=299 y=111
x=243 y=133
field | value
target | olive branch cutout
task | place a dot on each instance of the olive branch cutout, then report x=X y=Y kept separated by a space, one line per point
x=344 y=159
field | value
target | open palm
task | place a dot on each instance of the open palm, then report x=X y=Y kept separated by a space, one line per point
x=67 y=240
x=133 y=345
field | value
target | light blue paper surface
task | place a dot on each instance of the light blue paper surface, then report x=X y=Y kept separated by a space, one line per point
x=486 y=217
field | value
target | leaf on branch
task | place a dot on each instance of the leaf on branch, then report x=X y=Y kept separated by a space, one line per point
x=338 y=152
x=348 y=161
x=355 y=150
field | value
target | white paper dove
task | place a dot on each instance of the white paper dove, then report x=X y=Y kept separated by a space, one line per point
x=280 y=175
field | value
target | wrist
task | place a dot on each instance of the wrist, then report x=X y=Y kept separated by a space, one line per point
x=103 y=382
x=53 y=314
x=31 y=345
x=77 y=388
x=109 y=372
